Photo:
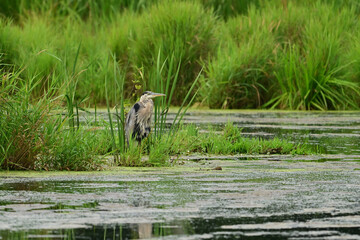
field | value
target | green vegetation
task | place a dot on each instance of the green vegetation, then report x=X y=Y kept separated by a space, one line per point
x=59 y=57
x=188 y=140
x=132 y=155
x=35 y=136
x=46 y=134
x=299 y=57
x=286 y=54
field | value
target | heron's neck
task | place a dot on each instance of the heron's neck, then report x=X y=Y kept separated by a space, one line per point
x=145 y=100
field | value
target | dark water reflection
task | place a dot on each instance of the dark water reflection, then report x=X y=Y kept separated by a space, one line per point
x=200 y=228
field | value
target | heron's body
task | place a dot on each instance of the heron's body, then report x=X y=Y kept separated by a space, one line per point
x=138 y=120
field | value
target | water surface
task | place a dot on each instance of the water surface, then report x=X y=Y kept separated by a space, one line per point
x=252 y=197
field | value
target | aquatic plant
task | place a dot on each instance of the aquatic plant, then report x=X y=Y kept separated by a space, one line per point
x=188 y=140
x=21 y=133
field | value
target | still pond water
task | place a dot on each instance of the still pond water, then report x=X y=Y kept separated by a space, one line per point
x=252 y=197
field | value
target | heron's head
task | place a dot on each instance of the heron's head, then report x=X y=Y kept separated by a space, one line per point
x=150 y=95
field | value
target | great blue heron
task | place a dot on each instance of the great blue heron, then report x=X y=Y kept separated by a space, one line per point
x=138 y=120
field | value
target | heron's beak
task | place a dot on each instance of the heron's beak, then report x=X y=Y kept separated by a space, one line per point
x=154 y=95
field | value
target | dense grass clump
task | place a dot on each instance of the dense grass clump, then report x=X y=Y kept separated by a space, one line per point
x=241 y=71
x=31 y=139
x=289 y=58
x=34 y=137
x=21 y=136
x=314 y=73
x=75 y=150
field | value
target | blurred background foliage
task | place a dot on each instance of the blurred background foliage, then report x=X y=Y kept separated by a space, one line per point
x=286 y=54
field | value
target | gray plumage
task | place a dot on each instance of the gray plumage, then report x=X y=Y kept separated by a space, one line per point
x=138 y=120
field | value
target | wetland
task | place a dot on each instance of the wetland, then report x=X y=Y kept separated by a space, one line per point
x=247 y=196
x=67 y=172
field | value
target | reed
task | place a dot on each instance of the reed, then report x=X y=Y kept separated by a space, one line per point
x=33 y=134
x=117 y=127
x=167 y=86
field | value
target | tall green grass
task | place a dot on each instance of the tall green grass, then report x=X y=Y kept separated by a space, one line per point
x=159 y=155
x=117 y=120
x=255 y=54
x=182 y=29
x=230 y=8
x=48 y=51
x=81 y=9
x=34 y=134
x=241 y=72
x=288 y=58
x=86 y=9
x=315 y=74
